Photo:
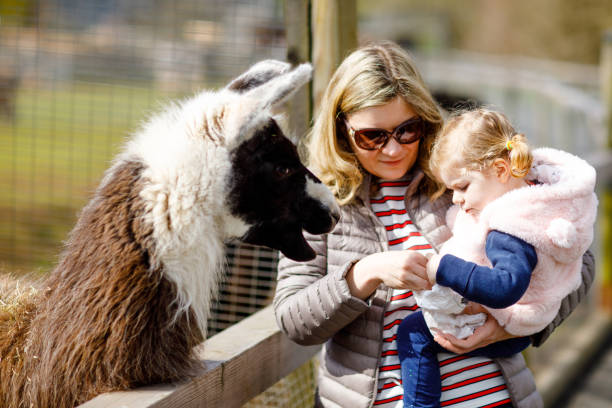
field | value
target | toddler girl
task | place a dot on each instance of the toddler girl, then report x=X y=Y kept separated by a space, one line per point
x=521 y=222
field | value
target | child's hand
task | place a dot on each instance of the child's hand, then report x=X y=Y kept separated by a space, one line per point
x=432 y=267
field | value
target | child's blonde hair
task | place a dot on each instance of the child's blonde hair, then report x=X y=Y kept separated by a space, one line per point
x=474 y=139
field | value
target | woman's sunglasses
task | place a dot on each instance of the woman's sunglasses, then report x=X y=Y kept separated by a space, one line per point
x=373 y=138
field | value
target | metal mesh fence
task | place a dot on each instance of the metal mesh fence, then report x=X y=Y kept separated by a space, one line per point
x=295 y=390
x=250 y=284
x=76 y=76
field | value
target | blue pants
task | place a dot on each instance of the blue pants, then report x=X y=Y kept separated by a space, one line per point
x=418 y=355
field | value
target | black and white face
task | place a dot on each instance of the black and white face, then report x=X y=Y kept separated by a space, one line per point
x=271 y=190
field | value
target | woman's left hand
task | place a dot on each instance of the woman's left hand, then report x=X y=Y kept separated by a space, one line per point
x=489 y=332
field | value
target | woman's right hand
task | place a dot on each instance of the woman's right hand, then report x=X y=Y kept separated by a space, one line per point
x=396 y=269
x=489 y=332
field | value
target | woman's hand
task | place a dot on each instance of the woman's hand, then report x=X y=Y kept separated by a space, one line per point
x=489 y=332
x=396 y=269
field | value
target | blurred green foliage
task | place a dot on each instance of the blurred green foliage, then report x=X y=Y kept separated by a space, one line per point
x=17 y=11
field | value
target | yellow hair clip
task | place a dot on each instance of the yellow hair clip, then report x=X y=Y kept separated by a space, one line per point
x=509 y=145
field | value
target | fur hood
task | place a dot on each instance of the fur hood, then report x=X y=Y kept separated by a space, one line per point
x=556 y=215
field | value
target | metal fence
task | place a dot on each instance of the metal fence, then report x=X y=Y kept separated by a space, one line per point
x=76 y=76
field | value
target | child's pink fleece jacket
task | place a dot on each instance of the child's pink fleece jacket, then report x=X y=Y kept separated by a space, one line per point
x=555 y=215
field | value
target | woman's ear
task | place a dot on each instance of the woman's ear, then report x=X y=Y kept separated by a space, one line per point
x=501 y=169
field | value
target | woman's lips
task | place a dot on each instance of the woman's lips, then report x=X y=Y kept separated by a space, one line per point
x=391 y=162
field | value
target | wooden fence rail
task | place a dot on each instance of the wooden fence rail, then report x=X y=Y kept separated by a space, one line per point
x=240 y=363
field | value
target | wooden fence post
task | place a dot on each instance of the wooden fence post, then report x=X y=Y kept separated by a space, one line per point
x=334 y=34
x=605 y=220
x=298 y=37
x=605 y=66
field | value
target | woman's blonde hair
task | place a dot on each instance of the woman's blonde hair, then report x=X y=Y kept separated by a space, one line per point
x=475 y=139
x=372 y=75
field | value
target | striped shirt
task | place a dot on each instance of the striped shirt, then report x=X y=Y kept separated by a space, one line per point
x=466 y=381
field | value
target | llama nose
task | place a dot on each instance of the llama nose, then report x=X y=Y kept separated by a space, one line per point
x=336 y=216
x=335 y=211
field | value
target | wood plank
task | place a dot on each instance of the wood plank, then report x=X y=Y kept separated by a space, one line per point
x=297 y=29
x=138 y=398
x=241 y=362
x=334 y=35
x=605 y=194
x=605 y=70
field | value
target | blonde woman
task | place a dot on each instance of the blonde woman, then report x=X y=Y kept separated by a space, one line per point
x=370 y=144
x=522 y=221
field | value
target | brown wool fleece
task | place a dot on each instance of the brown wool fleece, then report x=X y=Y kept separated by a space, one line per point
x=104 y=320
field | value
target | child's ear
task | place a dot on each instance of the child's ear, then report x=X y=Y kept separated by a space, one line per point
x=501 y=169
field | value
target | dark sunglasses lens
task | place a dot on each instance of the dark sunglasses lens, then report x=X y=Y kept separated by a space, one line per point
x=409 y=132
x=370 y=139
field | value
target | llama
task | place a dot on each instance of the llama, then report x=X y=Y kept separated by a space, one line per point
x=129 y=298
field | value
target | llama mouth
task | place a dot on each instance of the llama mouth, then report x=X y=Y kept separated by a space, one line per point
x=287 y=239
x=299 y=250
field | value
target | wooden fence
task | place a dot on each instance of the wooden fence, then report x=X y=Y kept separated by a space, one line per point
x=240 y=362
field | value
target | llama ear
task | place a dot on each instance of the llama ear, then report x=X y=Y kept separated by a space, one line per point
x=258 y=74
x=254 y=107
x=280 y=88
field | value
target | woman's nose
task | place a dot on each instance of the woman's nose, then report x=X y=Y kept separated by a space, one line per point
x=391 y=148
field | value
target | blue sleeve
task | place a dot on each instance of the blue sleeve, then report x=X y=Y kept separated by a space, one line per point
x=512 y=259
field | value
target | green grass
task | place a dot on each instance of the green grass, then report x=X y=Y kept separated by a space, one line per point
x=52 y=157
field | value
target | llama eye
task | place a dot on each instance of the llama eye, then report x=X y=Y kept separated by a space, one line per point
x=283 y=171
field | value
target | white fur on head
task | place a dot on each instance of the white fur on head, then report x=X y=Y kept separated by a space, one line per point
x=321 y=193
x=182 y=195
x=258 y=74
x=254 y=110
x=185 y=152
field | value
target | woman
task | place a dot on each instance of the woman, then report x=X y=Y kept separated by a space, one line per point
x=370 y=144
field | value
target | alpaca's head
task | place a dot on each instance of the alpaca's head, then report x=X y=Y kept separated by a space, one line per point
x=218 y=166
x=269 y=188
